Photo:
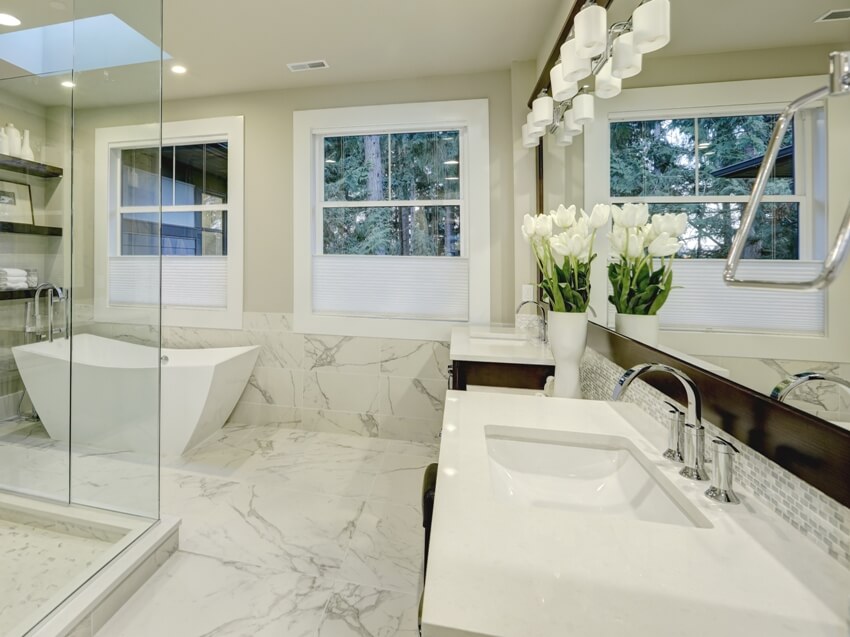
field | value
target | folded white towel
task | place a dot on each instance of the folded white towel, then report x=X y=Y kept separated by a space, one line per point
x=13 y=272
x=13 y=278
x=14 y=286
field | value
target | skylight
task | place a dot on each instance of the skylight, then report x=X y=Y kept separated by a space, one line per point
x=87 y=44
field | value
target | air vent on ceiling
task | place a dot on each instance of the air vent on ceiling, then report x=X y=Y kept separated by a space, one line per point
x=835 y=14
x=297 y=67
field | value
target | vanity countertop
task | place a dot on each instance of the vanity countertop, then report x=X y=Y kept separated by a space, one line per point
x=492 y=344
x=501 y=570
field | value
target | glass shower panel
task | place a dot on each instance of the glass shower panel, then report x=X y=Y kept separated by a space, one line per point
x=34 y=195
x=116 y=293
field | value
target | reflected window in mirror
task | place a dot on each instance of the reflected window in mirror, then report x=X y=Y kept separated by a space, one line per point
x=705 y=165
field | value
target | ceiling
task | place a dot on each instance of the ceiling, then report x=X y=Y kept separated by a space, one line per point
x=234 y=47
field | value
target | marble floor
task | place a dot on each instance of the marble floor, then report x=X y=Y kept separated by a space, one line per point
x=287 y=533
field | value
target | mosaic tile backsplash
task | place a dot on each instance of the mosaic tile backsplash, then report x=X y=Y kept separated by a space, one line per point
x=823 y=520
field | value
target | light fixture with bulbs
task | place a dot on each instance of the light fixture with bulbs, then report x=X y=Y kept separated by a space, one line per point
x=609 y=54
x=8 y=20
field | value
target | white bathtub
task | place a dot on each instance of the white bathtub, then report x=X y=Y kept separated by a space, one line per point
x=114 y=388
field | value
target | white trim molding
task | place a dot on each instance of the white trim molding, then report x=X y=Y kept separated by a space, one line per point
x=155 y=272
x=468 y=282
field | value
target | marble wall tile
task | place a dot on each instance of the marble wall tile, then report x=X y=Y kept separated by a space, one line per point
x=344 y=422
x=274 y=386
x=341 y=392
x=425 y=430
x=360 y=611
x=278 y=348
x=266 y=321
x=413 y=397
x=415 y=359
x=344 y=354
x=262 y=414
x=399 y=479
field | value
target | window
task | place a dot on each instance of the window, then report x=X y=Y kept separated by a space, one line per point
x=195 y=179
x=704 y=316
x=392 y=219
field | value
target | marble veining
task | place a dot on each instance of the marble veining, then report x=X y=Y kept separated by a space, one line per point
x=288 y=532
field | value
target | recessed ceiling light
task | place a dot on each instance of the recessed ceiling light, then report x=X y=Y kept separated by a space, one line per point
x=451 y=162
x=330 y=161
x=452 y=178
x=179 y=69
x=68 y=84
x=704 y=145
x=7 y=20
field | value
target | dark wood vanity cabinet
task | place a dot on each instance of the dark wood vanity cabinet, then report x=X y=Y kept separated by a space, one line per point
x=514 y=375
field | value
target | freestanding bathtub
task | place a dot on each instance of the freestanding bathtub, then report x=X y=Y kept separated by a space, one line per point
x=113 y=391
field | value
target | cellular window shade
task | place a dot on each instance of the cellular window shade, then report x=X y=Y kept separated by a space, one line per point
x=435 y=288
x=186 y=281
x=704 y=301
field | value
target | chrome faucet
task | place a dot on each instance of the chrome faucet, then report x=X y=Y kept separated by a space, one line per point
x=545 y=310
x=781 y=391
x=694 y=433
x=51 y=290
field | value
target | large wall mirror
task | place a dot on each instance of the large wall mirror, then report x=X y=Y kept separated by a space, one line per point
x=688 y=134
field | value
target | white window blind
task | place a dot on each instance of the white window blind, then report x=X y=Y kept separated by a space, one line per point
x=398 y=287
x=704 y=302
x=186 y=281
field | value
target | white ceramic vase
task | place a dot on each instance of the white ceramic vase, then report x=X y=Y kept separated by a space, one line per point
x=639 y=327
x=26 y=149
x=14 y=136
x=567 y=340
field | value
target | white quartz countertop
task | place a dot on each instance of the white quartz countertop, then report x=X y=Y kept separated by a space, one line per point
x=490 y=344
x=500 y=570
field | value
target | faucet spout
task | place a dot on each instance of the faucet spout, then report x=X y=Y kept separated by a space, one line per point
x=544 y=309
x=781 y=391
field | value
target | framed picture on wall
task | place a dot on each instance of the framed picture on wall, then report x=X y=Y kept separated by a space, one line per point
x=15 y=202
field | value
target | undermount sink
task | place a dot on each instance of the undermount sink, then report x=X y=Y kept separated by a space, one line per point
x=585 y=473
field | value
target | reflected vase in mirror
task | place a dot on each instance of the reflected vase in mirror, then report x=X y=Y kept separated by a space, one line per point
x=567 y=340
x=639 y=327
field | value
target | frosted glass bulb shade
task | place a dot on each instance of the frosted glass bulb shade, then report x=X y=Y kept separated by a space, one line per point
x=591 y=31
x=583 y=109
x=543 y=110
x=534 y=128
x=607 y=86
x=561 y=89
x=651 y=26
x=529 y=140
x=570 y=126
x=574 y=68
x=627 y=61
x=562 y=137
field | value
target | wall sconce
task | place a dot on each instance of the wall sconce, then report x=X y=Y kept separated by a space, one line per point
x=651 y=26
x=627 y=61
x=607 y=86
x=611 y=54
x=574 y=66
x=561 y=89
x=591 y=31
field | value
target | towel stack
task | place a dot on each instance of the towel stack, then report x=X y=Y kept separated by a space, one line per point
x=14 y=279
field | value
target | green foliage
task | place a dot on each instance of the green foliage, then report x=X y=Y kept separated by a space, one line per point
x=565 y=286
x=678 y=157
x=384 y=169
x=638 y=288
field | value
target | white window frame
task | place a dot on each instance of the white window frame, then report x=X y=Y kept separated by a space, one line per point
x=107 y=217
x=751 y=96
x=471 y=117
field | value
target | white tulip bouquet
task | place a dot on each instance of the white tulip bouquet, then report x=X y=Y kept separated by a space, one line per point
x=640 y=287
x=562 y=242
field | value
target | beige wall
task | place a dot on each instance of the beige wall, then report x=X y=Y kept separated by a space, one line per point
x=268 y=169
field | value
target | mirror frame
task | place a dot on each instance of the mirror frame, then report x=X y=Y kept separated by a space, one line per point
x=809 y=447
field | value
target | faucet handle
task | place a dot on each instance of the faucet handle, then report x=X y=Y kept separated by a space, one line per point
x=723 y=455
x=675 y=433
x=694 y=452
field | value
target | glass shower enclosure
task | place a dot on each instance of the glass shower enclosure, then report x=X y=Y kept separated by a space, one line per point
x=79 y=372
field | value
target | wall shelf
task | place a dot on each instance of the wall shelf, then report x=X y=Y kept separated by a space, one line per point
x=28 y=228
x=27 y=167
x=14 y=295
